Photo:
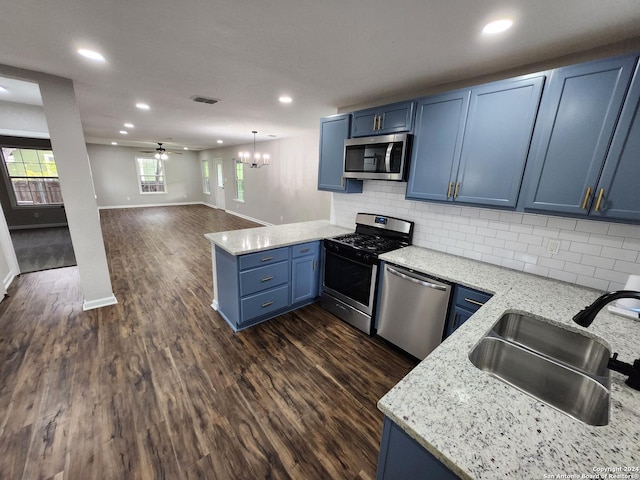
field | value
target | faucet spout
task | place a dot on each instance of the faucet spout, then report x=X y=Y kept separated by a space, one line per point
x=586 y=316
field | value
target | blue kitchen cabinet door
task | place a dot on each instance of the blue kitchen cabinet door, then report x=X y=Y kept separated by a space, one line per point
x=402 y=458
x=392 y=118
x=578 y=114
x=457 y=316
x=496 y=141
x=437 y=144
x=334 y=130
x=619 y=180
x=305 y=271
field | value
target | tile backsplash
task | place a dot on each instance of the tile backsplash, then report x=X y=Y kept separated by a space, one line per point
x=594 y=254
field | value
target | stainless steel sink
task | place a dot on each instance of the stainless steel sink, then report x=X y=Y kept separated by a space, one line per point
x=567 y=346
x=548 y=363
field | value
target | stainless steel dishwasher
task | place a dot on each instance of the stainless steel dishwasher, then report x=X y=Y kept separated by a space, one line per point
x=413 y=310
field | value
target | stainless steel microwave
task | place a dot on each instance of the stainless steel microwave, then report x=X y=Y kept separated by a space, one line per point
x=383 y=157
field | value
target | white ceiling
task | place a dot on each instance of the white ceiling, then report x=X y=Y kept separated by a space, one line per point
x=325 y=54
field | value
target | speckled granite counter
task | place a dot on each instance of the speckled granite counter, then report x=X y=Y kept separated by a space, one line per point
x=238 y=242
x=480 y=427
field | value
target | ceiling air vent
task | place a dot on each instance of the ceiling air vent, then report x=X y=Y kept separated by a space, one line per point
x=201 y=99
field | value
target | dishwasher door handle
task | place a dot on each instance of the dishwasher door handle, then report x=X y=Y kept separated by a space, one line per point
x=415 y=280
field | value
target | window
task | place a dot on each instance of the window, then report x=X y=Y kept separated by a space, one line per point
x=206 y=186
x=33 y=176
x=239 y=181
x=151 y=175
x=219 y=176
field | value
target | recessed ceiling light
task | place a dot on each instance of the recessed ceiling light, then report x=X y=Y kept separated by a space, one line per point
x=185 y=148
x=128 y=125
x=124 y=132
x=285 y=99
x=219 y=141
x=497 y=26
x=90 y=54
x=143 y=106
x=114 y=143
x=4 y=90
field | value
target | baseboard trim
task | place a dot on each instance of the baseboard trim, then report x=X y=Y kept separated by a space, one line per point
x=246 y=217
x=110 y=207
x=210 y=205
x=100 y=302
x=8 y=280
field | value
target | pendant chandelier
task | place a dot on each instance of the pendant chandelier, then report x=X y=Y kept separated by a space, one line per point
x=256 y=160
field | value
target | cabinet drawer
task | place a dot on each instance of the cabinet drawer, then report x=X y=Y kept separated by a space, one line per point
x=470 y=299
x=303 y=249
x=265 y=302
x=266 y=257
x=263 y=278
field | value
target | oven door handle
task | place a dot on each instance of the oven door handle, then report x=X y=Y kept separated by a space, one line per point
x=415 y=280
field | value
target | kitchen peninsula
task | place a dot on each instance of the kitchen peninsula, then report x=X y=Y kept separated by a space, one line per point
x=262 y=272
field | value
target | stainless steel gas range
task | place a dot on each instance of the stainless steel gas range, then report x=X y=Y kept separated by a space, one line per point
x=350 y=277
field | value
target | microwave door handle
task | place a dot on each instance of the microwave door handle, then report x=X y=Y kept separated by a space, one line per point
x=387 y=158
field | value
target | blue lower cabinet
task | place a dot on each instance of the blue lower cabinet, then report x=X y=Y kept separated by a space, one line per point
x=402 y=458
x=258 y=286
x=264 y=303
x=466 y=302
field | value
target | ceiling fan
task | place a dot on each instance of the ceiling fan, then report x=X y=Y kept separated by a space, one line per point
x=161 y=153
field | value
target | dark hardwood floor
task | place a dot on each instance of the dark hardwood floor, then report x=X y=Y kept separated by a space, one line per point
x=159 y=387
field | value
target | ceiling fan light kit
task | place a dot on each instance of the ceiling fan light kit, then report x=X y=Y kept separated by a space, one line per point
x=256 y=160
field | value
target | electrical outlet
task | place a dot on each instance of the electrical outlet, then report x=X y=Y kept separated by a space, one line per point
x=553 y=247
x=281 y=218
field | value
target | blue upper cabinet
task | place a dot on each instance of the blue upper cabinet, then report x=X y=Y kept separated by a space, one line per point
x=496 y=141
x=617 y=195
x=334 y=130
x=578 y=115
x=392 y=118
x=437 y=145
x=471 y=146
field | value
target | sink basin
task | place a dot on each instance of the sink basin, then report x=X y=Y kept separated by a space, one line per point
x=564 y=369
x=566 y=346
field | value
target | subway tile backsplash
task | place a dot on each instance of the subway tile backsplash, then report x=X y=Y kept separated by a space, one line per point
x=594 y=254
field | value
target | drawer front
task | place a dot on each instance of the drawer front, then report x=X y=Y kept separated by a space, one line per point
x=469 y=298
x=303 y=249
x=263 y=278
x=265 y=302
x=266 y=257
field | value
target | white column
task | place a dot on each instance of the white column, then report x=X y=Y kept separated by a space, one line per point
x=76 y=184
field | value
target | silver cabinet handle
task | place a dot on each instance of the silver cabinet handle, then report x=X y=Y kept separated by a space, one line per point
x=305 y=250
x=264 y=305
x=415 y=280
x=474 y=302
x=266 y=279
x=266 y=259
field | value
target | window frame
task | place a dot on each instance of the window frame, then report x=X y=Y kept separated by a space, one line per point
x=140 y=175
x=205 y=170
x=46 y=150
x=238 y=182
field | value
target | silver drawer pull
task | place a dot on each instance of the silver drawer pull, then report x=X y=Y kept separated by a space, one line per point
x=266 y=259
x=266 y=279
x=264 y=305
x=305 y=250
x=474 y=302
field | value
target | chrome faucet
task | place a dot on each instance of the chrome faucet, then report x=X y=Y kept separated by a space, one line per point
x=585 y=318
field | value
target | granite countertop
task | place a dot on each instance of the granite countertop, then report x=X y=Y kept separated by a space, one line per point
x=481 y=428
x=238 y=242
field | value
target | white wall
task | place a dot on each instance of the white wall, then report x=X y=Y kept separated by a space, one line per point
x=116 y=182
x=592 y=253
x=22 y=120
x=286 y=191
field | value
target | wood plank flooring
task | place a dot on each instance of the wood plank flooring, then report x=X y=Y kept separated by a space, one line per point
x=159 y=387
